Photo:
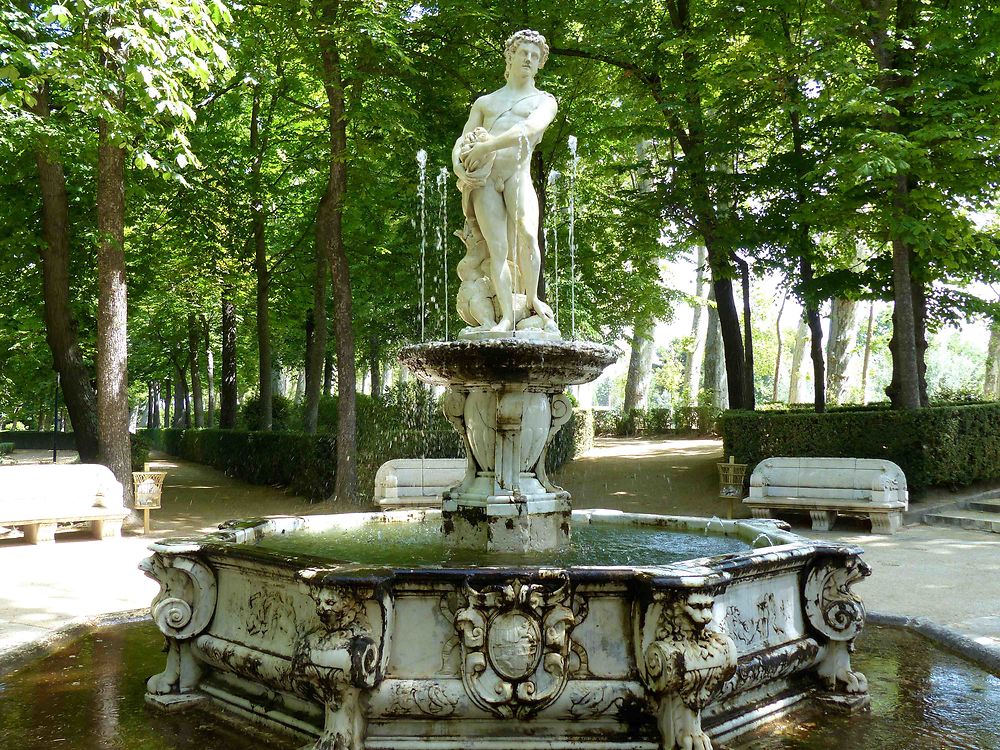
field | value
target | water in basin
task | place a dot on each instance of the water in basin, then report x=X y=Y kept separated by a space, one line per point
x=420 y=543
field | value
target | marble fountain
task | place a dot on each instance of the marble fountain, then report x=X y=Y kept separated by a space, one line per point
x=503 y=627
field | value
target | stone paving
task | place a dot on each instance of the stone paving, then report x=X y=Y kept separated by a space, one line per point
x=949 y=576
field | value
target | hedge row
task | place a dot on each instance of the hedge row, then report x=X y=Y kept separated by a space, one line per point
x=701 y=420
x=26 y=440
x=306 y=464
x=32 y=440
x=951 y=446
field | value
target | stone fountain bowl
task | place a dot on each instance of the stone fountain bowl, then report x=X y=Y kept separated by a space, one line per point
x=543 y=364
x=354 y=656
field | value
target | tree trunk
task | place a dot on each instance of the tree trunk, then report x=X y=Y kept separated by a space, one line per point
x=840 y=347
x=991 y=386
x=112 y=312
x=149 y=404
x=777 y=357
x=714 y=369
x=346 y=482
x=639 y=365
x=868 y=354
x=60 y=323
x=798 y=352
x=182 y=416
x=156 y=405
x=906 y=378
x=264 y=389
x=316 y=332
x=692 y=368
x=328 y=374
x=194 y=340
x=209 y=372
x=895 y=389
x=815 y=325
x=166 y=403
x=228 y=391
x=749 y=396
x=896 y=65
x=374 y=364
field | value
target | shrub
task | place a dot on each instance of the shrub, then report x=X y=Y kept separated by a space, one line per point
x=139 y=448
x=35 y=440
x=939 y=445
x=306 y=464
x=701 y=420
x=283 y=414
x=6 y=448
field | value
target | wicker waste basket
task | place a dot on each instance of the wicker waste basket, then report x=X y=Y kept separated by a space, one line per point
x=731 y=476
x=148 y=489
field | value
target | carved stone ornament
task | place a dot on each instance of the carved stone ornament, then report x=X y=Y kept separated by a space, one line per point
x=684 y=663
x=339 y=662
x=516 y=643
x=182 y=609
x=839 y=615
x=832 y=608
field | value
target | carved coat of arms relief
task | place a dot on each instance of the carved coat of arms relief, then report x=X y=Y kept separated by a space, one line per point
x=516 y=642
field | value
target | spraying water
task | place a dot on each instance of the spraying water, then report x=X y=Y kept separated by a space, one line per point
x=554 y=187
x=422 y=195
x=572 y=238
x=442 y=238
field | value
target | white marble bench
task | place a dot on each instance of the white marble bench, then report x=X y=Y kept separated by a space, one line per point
x=38 y=497
x=827 y=487
x=416 y=482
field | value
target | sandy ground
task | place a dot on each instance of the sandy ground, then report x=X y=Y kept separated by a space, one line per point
x=949 y=576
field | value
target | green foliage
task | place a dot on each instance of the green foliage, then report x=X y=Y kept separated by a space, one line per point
x=6 y=448
x=139 y=451
x=949 y=446
x=683 y=420
x=284 y=414
x=39 y=441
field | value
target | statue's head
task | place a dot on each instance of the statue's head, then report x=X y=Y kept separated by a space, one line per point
x=698 y=609
x=525 y=37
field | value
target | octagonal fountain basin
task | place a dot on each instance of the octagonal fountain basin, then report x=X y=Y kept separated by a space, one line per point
x=366 y=631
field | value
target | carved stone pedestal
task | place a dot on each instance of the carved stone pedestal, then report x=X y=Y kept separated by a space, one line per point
x=505 y=399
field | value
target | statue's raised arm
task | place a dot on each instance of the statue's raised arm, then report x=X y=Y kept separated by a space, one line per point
x=492 y=159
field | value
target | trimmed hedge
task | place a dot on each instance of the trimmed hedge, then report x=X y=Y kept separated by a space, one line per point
x=700 y=420
x=951 y=446
x=306 y=464
x=33 y=440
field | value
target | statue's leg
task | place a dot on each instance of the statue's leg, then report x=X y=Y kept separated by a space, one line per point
x=529 y=255
x=491 y=214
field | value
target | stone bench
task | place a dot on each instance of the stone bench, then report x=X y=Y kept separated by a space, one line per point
x=416 y=482
x=38 y=497
x=827 y=487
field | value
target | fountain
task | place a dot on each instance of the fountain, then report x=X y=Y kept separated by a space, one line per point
x=505 y=619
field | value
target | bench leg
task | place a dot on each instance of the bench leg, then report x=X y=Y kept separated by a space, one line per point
x=105 y=528
x=761 y=512
x=886 y=523
x=39 y=533
x=823 y=520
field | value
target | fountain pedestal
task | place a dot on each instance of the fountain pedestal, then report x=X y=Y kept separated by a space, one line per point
x=505 y=399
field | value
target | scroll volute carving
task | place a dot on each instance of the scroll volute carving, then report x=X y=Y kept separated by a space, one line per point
x=837 y=614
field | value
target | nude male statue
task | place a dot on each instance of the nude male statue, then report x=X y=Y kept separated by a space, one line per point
x=492 y=159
